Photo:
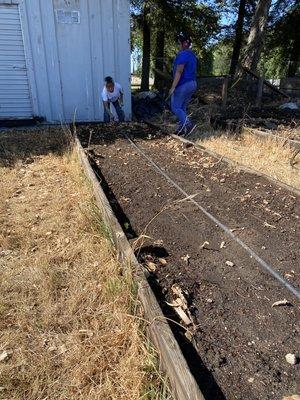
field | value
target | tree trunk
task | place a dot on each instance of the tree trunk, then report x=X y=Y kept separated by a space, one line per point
x=257 y=34
x=238 y=38
x=146 y=51
x=294 y=63
x=159 y=59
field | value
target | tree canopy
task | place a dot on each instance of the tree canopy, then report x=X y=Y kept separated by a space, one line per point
x=260 y=34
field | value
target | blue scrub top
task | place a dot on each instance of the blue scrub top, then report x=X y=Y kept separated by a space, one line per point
x=189 y=59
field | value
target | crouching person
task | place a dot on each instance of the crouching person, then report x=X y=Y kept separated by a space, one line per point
x=112 y=93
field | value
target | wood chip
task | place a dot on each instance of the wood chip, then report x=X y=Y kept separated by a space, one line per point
x=151 y=266
x=162 y=261
x=4 y=356
x=291 y=359
x=186 y=258
x=281 y=303
x=205 y=244
x=269 y=225
x=229 y=263
x=188 y=335
x=183 y=316
x=237 y=229
x=177 y=303
x=180 y=305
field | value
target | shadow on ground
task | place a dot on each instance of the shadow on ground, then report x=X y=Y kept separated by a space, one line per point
x=105 y=134
x=23 y=145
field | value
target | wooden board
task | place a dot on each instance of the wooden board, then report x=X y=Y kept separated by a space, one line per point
x=266 y=135
x=182 y=383
x=225 y=91
x=241 y=167
x=235 y=164
x=274 y=88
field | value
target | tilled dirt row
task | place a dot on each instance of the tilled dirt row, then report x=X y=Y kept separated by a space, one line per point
x=241 y=339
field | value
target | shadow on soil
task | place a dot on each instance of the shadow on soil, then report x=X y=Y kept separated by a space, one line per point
x=115 y=205
x=105 y=134
x=23 y=145
x=154 y=251
x=204 y=378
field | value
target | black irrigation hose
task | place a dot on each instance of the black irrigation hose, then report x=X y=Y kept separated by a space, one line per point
x=295 y=291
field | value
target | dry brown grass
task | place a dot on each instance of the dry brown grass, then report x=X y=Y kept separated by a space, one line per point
x=267 y=156
x=67 y=310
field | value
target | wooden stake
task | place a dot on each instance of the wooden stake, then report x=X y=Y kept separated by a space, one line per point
x=225 y=91
x=274 y=88
x=260 y=88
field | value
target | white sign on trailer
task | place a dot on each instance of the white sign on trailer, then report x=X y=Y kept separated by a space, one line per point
x=67 y=17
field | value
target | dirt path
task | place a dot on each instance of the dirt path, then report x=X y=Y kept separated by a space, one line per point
x=241 y=339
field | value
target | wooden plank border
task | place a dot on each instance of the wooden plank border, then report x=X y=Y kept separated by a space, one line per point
x=237 y=165
x=266 y=135
x=182 y=383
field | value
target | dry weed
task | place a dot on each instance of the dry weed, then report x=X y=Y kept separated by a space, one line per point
x=267 y=156
x=65 y=301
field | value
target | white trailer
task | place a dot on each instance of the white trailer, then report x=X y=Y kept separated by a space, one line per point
x=54 y=55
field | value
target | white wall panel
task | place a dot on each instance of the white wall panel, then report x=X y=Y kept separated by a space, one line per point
x=15 y=100
x=39 y=54
x=122 y=48
x=68 y=61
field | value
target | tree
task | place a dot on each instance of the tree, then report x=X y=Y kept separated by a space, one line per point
x=238 y=38
x=159 y=58
x=281 y=55
x=257 y=34
x=285 y=36
x=146 y=48
x=198 y=20
x=162 y=19
x=221 y=57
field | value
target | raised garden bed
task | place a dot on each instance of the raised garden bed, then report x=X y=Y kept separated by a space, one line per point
x=239 y=341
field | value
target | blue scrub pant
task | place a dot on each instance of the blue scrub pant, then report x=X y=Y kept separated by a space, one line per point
x=180 y=100
x=119 y=111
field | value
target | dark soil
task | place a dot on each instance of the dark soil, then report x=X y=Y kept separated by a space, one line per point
x=235 y=117
x=241 y=340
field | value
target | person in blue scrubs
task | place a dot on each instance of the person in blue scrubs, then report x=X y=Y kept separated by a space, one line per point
x=184 y=83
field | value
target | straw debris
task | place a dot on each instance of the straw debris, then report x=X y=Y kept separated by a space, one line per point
x=69 y=321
